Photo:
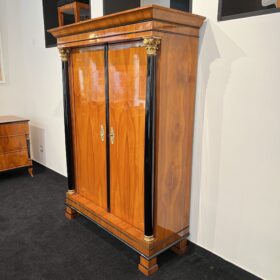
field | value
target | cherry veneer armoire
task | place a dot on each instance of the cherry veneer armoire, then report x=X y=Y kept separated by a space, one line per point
x=129 y=93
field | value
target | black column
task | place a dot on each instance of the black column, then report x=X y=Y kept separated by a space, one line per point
x=150 y=145
x=106 y=50
x=68 y=126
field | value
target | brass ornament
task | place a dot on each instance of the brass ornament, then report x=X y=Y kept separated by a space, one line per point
x=70 y=192
x=102 y=133
x=151 y=44
x=112 y=135
x=64 y=53
x=149 y=238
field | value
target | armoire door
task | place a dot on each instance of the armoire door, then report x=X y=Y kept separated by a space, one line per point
x=127 y=67
x=89 y=121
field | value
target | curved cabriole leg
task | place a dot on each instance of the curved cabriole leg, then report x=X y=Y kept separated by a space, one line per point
x=148 y=267
x=181 y=247
x=70 y=214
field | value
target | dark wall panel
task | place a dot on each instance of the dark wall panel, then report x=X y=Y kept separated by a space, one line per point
x=50 y=20
x=184 y=5
x=230 y=7
x=114 y=6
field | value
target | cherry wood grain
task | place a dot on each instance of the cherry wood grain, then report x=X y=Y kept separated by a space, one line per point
x=129 y=17
x=14 y=160
x=125 y=32
x=14 y=135
x=129 y=37
x=12 y=143
x=70 y=214
x=181 y=247
x=123 y=230
x=148 y=267
x=98 y=36
x=174 y=134
x=14 y=129
x=88 y=90
x=127 y=76
x=175 y=96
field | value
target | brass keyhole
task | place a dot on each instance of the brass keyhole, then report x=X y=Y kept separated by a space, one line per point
x=102 y=133
x=112 y=135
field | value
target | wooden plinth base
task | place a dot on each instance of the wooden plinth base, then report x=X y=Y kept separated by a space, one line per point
x=148 y=267
x=70 y=214
x=181 y=247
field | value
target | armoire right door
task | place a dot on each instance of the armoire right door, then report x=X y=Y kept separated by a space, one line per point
x=127 y=67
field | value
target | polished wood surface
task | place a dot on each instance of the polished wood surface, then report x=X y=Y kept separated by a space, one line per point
x=278 y=4
x=127 y=76
x=148 y=267
x=12 y=143
x=70 y=214
x=14 y=148
x=175 y=95
x=128 y=25
x=121 y=229
x=88 y=90
x=142 y=14
x=14 y=129
x=137 y=30
x=118 y=38
x=175 y=119
x=14 y=160
x=181 y=247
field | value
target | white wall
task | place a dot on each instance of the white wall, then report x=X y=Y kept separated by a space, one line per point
x=11 y=93
x=96 y=8
x=34 y=85
x=236 y=182
x=236 y=175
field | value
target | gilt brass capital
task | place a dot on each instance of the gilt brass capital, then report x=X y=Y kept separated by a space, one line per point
x=151 y=44
x=64 y=53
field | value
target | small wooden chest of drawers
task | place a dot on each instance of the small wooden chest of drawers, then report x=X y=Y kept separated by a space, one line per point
x=14 y=144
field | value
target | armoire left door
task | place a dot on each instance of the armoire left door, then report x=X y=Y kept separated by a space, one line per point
x=87 y=78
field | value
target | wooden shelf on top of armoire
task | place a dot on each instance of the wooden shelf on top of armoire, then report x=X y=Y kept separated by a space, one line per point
x=129 y=92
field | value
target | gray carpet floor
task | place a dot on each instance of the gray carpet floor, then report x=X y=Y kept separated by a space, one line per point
x=38 y=243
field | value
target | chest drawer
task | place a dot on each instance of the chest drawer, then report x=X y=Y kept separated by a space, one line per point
x=12 y=129
x=14 y=160
x=12 y=143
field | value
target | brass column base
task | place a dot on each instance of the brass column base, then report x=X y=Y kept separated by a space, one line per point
x=149 y=238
